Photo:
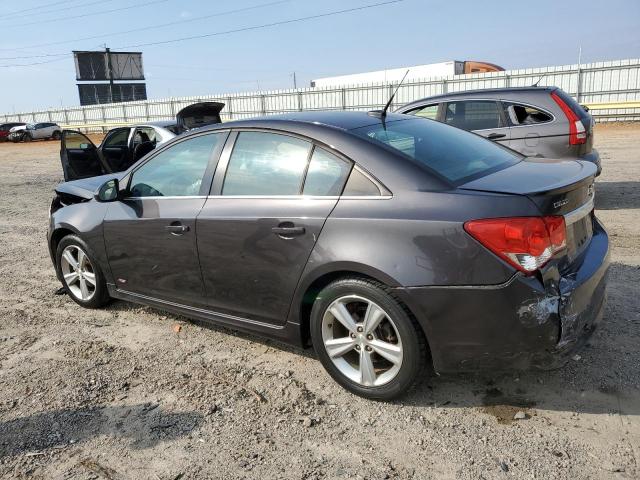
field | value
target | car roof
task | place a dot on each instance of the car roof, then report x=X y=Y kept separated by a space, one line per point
x=335 y=119
x=159 y=123
x=481 y=92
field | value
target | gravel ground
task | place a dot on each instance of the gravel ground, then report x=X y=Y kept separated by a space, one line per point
x=132 y=392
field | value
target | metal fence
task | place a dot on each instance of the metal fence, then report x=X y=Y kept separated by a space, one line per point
x=611 y=90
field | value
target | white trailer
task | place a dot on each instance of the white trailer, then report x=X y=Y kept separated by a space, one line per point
x=442 y=69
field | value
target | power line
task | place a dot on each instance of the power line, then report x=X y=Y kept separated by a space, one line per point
x=40 y=6
x=237 y=30
x=266 y=25
x=151 y=27
x=55 y=10
x=100 y=12
x=31 y=64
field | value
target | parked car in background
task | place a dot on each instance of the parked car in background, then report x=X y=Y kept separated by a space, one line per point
x=535 y=121
x=123 y=146
x=382 y=240
x=5 y=129
x=35 y=131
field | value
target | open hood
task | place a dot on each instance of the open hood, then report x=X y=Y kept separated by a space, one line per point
x=199 y=114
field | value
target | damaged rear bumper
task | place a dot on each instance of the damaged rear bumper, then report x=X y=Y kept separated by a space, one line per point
x=520 y=324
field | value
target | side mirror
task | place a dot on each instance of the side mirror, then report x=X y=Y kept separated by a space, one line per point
x=109 y=191
x=84 y=146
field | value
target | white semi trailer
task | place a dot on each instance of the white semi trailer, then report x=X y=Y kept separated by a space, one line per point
x=394 y=75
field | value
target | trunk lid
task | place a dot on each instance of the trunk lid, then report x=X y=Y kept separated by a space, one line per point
x=199 y=115
x=556 y=187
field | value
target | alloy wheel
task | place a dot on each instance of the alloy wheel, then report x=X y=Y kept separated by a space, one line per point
x=78 y=273
x=362 y=341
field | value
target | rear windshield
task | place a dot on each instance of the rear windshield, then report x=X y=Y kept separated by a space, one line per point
x=455 y=154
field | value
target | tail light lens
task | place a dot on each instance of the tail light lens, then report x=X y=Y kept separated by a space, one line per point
x=577 y=132
x=527 y=243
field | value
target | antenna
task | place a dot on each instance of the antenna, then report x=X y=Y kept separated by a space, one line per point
x=538 y=81
x=383 y=113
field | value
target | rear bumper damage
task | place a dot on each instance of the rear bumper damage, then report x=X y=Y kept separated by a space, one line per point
x=523 y=323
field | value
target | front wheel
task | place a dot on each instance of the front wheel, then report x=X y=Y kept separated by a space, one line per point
x=80 y=273
x=27 y=137
x=56 y=135
x=366 y=339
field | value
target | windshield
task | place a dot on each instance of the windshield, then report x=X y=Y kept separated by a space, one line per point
x=31 y=126
x=455 y=154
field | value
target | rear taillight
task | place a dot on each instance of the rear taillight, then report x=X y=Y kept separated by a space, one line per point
x=527 y=243
x=577 y=132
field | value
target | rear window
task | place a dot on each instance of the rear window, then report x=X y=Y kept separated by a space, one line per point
x=452 y=153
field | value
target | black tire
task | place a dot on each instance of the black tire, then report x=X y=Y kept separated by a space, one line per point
x=100 y=295
x=27 y=137
x=412 y=339
x=56 y=135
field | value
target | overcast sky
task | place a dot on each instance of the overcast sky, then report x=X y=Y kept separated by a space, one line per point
x=513 y=34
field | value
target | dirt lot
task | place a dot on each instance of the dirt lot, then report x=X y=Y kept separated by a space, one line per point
x=119 y=393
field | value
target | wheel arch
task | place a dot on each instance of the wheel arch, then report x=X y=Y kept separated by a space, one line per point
x=315 y=281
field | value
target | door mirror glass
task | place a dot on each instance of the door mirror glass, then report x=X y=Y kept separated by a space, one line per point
x=84 y=146
x=108 y=192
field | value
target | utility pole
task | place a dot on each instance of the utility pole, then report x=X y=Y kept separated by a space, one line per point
x=110 y=72
x=295 y=83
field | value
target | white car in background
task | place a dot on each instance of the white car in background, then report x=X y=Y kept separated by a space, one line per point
x=123 y=146
x=35 y=131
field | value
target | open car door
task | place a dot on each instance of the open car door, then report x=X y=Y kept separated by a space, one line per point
x=198 y=115
x=80 y=157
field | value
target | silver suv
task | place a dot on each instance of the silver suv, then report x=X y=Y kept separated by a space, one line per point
x=36 y=131
x=535 y=121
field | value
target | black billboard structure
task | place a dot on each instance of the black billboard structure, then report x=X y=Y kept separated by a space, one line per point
x=109 y=77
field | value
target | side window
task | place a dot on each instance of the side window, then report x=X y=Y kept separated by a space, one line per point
x=144 y=134
x=119 y=138
x=526 y=115
x=76 y=141
x=176 y=171
x=326 y=174
x=266 y=164
x=473 y=115
x=359 y=185
x=428 y=111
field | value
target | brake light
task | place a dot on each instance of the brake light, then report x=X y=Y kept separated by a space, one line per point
x=527 y=243
x=577 y=132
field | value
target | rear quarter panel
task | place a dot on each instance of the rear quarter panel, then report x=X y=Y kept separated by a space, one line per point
x=414 y=240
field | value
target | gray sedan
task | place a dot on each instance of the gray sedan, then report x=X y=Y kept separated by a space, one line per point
x=385 y=241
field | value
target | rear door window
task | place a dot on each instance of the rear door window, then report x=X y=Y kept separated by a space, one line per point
x=326 y=174
x=526 y=114
x=266 y=164
x=117 y=138
x=473 y=114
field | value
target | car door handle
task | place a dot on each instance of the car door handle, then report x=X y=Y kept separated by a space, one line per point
x=288 y=231
x=177 y=228
x=494 y=136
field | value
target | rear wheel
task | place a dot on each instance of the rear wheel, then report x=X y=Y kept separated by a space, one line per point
x=56 y=135
x=366 y=339
x=80 y=274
